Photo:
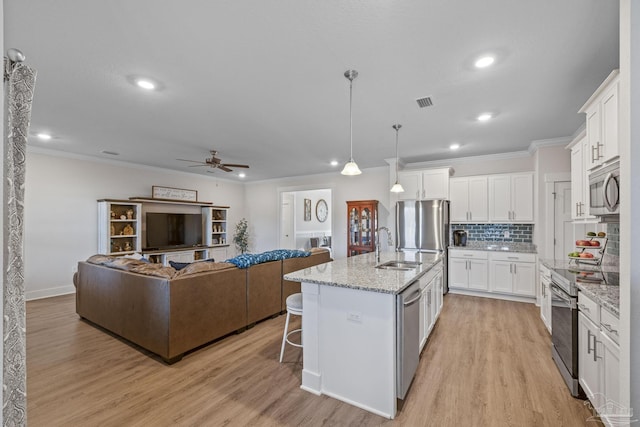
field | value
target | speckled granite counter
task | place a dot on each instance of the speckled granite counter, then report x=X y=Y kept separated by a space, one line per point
x=608 y=296
x=476 y=245
x=359 y=272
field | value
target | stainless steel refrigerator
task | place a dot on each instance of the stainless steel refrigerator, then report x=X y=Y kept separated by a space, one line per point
x=423 y=225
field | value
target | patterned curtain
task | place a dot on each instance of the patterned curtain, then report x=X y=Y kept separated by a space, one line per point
x=19 y=84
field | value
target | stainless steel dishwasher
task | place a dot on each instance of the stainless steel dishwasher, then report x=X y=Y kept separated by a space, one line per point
x=408 y=337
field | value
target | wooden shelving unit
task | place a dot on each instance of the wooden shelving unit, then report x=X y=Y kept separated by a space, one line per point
x=119 y=227
x=362 y=222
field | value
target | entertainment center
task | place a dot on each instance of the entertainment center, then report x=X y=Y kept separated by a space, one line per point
x=163 y=230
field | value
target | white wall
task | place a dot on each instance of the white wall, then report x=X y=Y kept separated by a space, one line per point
x=261 y=203
x=61 y=210
x=313 y=226
x=482 y=165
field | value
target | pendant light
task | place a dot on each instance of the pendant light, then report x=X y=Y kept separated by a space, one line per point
x=351 y=168
x=397 y=188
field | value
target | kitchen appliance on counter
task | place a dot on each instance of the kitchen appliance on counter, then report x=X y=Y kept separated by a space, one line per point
x=564 y=319
x=604 y=191
x=423 y=225
x=459 y=238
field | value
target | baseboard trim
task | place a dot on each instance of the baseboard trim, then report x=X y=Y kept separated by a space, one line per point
x=50 y=292
x=516 y=298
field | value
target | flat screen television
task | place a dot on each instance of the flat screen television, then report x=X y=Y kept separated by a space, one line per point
x=173 y=230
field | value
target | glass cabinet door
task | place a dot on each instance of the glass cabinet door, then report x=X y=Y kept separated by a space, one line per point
x=354 y=227
x=365 y=225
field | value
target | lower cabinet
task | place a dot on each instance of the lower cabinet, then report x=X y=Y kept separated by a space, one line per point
x=599 y=358
x=431 y=288
x=513 y=273
x=545 y=296
x=468 y=270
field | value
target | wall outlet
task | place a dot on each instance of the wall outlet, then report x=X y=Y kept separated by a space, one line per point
x=506 y=234
x=354 y=316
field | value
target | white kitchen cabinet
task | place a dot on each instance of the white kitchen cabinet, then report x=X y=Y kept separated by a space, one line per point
x=469 y=199
x=424 y=184
x=599 y=356
x=589 y=371
x=580 y=179
x=468 y=270
x=602 y=123
x=545 y=296
x=511 y=198
x=512 y=273
x=430 y=303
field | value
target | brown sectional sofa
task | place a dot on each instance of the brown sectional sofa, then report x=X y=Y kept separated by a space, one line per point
x=171 y=316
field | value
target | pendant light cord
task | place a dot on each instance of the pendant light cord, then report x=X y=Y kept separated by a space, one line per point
x=397 y=129
x=351 y=119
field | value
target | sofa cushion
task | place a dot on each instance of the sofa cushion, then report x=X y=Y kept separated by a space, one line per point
x=151 y=269
x=180 y=265
x=100 y=259
x=124 y=263
x=199 y=267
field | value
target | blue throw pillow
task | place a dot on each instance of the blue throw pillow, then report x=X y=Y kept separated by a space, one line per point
x=178 y=265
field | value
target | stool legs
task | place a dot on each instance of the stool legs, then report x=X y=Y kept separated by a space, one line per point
x=284 y=336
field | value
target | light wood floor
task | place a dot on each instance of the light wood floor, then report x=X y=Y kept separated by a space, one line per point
x=487 y=363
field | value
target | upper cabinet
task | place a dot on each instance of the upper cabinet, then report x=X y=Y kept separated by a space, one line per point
x=469 y=199
x=424 y=184
x=511 y=198
x=602 y=123
x=580 y=161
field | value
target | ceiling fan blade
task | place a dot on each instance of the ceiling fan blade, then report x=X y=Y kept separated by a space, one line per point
x=224 y=168
x=233 y=165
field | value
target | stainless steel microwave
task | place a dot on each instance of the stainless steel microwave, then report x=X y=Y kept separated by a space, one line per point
x=604 y=191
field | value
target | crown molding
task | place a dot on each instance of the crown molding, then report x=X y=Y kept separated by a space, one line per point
x=552 y=142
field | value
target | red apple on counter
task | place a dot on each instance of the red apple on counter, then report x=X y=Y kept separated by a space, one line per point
x=586 y=255
x=595 y=243
x=583 y=243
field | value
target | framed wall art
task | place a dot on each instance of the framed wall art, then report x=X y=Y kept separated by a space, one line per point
x=307 y=209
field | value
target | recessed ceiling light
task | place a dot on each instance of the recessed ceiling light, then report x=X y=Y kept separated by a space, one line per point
x=242 y=175
x=484 y=62
x=146 y=84
x=454 y=146
x=44 y=136
x=484 y=117
x=334 y=163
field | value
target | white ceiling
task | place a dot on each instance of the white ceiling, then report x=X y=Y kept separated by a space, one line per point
x=261 y=81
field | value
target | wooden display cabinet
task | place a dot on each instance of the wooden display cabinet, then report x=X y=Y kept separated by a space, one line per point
x=362 y=222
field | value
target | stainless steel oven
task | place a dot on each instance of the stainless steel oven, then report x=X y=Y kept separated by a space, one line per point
x=604 y=191
x=564 y=329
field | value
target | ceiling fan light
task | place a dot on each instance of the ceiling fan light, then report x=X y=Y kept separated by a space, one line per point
x=351 y=168
x=397 y=188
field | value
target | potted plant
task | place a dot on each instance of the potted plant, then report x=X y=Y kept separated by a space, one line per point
x=241 y=236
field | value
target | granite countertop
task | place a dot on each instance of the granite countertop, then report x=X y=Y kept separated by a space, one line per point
x=479 y=245
x=608 y=296
x=359 y=272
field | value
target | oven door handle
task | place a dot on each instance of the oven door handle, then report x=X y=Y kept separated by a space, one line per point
x=557 y=291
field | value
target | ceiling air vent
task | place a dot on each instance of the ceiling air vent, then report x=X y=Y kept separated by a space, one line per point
x=424 y=102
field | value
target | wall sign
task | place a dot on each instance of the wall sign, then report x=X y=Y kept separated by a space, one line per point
x=170 y=193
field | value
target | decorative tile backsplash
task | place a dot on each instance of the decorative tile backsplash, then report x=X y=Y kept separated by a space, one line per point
x=518 y=233
x=613 y=244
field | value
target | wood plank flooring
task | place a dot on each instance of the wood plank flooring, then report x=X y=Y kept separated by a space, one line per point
x=487 y=363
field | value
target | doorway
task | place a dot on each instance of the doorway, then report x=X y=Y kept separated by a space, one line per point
x=562 y=222
x=303 y=223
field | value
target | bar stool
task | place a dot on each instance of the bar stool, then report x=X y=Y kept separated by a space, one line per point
x=294 y=306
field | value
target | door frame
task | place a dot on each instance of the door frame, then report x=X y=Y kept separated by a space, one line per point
x=549 y=215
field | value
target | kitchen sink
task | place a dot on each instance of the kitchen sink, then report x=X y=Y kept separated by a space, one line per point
x=399 y=265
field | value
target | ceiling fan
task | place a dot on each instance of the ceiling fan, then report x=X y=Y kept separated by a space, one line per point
x=215 y=163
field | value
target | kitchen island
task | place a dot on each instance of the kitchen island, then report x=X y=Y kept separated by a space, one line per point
x=350 y=325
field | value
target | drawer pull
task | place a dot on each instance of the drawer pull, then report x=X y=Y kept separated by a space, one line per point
x=583 y=307
x=513 y=257
x=609 y=328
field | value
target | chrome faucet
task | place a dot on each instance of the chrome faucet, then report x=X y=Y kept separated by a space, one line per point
x=389 y=240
